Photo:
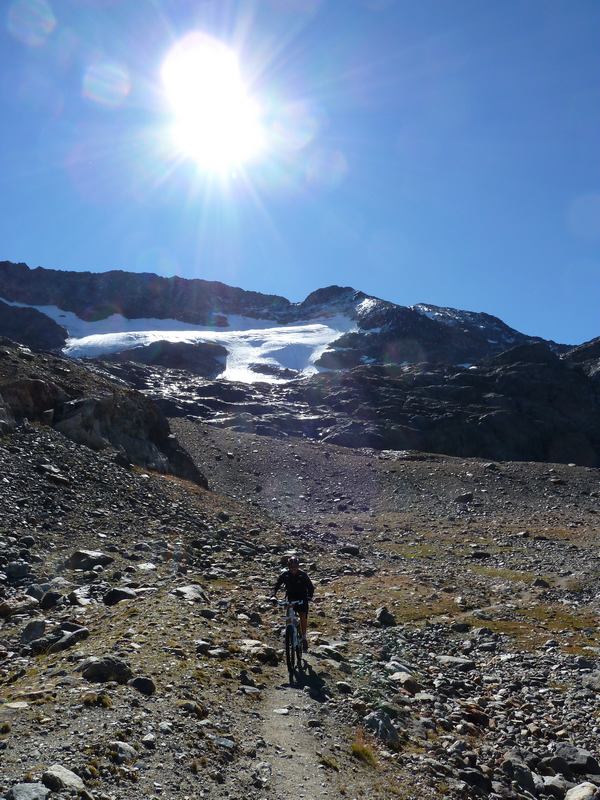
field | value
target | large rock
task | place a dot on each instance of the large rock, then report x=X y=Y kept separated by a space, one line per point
x=28 y=791
x=583 y=791
x=88 y=559
x=201 y=358
x=193 y=593
x=58 y=778
x=380 y=724
x=577 y=759
x=107 y=668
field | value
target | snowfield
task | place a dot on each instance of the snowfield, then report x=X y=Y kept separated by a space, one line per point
x=248 y=341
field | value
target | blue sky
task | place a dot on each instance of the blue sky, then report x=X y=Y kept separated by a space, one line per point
x=435 y=151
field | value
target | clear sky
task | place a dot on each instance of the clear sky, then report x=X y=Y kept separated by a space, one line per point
x=420 y=150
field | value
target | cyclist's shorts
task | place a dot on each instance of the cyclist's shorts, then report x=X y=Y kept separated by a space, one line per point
x=301 y=607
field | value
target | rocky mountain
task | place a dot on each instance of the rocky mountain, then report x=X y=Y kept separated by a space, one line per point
x=374 y=332
x=340 y=367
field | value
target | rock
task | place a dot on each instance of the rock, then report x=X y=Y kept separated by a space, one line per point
x=122 y=753
x=379 y=723
x=583 y=791
x=115 y=595
x=384 y=617
x=18 y=604
x=50 y=599
x=33 y=630
x=144 y=685
x=473 y=777
x=28 y=791
x=578 y=759
x=462 y=664
x=406 y=681
x=58 y=778
x=193 y=593
x=350 y=549
x=107 y=668
x=88 y=559
x=259 y=651
x=343 y=687
x=467 y=497
x=149 y=741
x=16 y=570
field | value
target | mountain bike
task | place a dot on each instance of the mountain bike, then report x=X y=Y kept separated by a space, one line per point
x=293 y=635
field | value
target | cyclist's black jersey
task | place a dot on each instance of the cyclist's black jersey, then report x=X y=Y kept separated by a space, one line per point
x=297 y=587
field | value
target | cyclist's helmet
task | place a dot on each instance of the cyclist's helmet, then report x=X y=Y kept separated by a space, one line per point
x=293 y=561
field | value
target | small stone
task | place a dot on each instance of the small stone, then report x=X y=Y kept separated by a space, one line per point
x=149 y=741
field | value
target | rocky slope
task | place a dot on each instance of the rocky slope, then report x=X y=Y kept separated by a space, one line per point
x=525 y=404
x=453 y=646
x=89 y=409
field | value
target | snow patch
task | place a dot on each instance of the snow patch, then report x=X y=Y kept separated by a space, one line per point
x=248 y=341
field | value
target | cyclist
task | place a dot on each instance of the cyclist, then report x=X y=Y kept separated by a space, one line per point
x=298 y=586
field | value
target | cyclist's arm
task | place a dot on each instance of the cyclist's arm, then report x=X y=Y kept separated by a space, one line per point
x=279 y=584
x=310 y=589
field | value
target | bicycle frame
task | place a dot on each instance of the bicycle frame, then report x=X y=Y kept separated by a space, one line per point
x=292 y=634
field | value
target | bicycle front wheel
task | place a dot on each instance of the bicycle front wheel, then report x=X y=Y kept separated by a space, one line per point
x=289 y=648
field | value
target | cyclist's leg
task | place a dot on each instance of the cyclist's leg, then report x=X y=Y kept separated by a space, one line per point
x=303 y=623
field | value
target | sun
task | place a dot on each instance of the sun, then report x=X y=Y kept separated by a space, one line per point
x=216 y=121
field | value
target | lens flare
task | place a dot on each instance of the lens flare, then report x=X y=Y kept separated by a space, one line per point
x=294 y=126
x=106 y=83
x=216 y=121
x=31 y=21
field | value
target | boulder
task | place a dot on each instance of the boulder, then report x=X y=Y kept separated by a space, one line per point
x=384 y=617
x=88 y=559
x=28 y=791
x=380 y=724
x=107 y=668
x=193 y=593
x=116 y=594
x=583 y=791
x=58 y=778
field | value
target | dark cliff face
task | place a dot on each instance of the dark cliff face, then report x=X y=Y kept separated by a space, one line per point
x=134 y=295
x=31 y=328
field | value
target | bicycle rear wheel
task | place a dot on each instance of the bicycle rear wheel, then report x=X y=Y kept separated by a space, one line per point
x=289 y=648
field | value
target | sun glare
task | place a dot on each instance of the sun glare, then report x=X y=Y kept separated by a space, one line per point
x=216 y=121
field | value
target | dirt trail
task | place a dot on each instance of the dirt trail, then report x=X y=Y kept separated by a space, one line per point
x=294 y=752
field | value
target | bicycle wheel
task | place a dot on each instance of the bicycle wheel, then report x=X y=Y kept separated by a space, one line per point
x=289 y=648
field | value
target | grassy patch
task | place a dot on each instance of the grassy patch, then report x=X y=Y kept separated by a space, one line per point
x=362 y=750
x=329 y=762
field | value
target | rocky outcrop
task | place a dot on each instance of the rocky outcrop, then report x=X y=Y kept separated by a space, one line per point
x=526 y=404
x=31 y=328
x=201 y=358
x=88 y=409
x=134 y=295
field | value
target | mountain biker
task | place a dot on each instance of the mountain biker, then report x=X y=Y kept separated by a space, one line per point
x=298 y=586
